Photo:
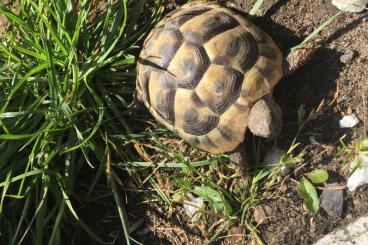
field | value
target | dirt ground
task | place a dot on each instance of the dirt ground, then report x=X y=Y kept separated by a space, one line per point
x=318 y=78
x=322 y=74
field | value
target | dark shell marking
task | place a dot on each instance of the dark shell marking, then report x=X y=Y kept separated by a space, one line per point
x=193 y=69
x=167 y=51
x=185 y=16
x=196 y=124
x=165 y=100
x=218 y=24
x=250 y=55
x=223 y=91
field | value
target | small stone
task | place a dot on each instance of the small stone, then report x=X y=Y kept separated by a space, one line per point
x=262 y=213
x=347 y=56
x=332 y=201
x=349 y=216
x=348 y=121
x=350 y=5
x=192 y=205
x=273 y=156
x=360 y=175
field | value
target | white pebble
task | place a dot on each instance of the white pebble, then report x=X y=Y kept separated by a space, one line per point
x=360 y=175
x=273 y=156
x=192 y=205
x=348 y=121
x=350 y=5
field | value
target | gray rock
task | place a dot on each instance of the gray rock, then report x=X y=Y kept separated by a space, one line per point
x=332 y=201
x=347 y=56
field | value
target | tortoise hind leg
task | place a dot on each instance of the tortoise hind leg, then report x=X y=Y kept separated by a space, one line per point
x=265 y=118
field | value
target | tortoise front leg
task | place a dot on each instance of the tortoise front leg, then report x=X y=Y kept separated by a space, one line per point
x=265 y=118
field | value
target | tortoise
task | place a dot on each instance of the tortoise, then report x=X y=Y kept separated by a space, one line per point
x=207 y=73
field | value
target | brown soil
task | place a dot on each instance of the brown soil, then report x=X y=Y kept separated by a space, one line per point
x=321 y=75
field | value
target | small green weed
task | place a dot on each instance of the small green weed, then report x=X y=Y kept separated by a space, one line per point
x=307 y=190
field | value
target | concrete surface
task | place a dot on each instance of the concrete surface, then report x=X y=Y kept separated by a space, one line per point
x=354 y=233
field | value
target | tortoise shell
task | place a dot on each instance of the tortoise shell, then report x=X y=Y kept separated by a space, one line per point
x=200 y=71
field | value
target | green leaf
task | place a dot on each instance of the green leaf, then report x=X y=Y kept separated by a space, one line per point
x=215 y=198
x=309 y=195
x=318 y=176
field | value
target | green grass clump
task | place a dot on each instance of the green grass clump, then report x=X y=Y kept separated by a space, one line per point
x=66 y=80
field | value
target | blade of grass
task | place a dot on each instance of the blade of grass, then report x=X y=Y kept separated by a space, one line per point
x=5 y=189
x=55 y=234
x=28 y=174
x=256 y=8
x=21 y=220
x=121 y=209
x=165 y=164
x=39 y=211
x=311 y=36
x=19 y=84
